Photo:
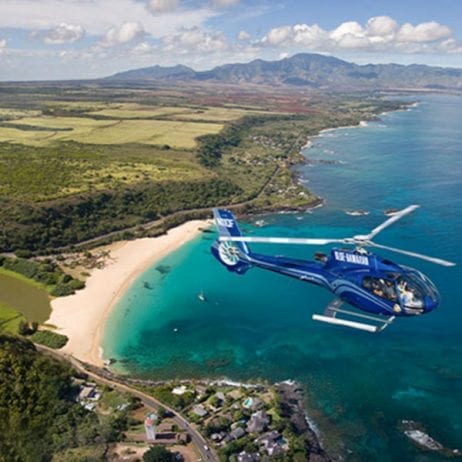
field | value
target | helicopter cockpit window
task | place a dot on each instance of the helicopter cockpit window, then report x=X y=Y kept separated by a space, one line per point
x=384 y=288
x=410 y=292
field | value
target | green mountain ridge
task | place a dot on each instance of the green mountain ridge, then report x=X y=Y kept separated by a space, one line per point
x=308 y=70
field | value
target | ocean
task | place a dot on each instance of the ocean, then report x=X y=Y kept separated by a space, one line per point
x=360 y=386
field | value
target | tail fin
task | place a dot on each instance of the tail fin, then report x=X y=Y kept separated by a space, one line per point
x=233 y=255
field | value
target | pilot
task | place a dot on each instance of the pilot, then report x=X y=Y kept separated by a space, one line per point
x=406 y=294
x=402 y=286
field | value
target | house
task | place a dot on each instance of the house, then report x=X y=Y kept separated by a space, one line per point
x=237 y=433
x=220 y=395
x=256 y=404
x=87 y=392
x=181 y=390
x=199 y=410
x=268 y=438
x=234 y=394
x=150 y=426
x=258 y=422
x=201 y=390
x=274 y=449
x=273 y=443
x=247 y=457
x=217 y=437
x=89 y=406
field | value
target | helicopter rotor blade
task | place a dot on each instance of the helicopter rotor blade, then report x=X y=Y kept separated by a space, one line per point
x=438 y=261
x=283 y=240
x=396 y=216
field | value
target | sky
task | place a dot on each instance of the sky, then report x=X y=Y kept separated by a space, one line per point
x=80 y=39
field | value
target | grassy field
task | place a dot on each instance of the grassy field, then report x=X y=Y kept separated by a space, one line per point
x=21 y=298
x=36 y=174
x=9 y=319
x=44 y=130
x=109 y=124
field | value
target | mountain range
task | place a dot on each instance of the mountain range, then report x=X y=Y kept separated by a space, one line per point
x=308 y=70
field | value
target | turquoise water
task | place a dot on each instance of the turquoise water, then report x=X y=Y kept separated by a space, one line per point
x=360 y=386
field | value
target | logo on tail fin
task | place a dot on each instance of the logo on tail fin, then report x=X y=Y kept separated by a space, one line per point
x=226 y=222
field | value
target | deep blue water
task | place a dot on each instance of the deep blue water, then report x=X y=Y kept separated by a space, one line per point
x=359 y=385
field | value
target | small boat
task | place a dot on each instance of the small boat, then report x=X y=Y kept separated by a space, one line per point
x=201 y=296
x=357 y=213
x=390 y=212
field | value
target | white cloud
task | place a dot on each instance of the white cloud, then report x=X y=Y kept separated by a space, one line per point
x=125 y=33
x=63 y=33
x=223 y=3
x=382 y=26
x=162 y=6
x=97 y=16
x=379 y=34
x=423 y=33
x=243 y=35
x=142 y=48
x=195 y=40
x=278 y=35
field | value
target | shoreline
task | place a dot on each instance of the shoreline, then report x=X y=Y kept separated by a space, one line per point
x=82 y=316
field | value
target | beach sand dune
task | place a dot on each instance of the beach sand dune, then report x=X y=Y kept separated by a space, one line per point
x=82 y=316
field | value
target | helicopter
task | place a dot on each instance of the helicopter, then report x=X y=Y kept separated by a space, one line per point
x=374 y=289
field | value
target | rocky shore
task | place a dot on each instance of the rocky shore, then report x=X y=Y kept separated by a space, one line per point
x=293 y=408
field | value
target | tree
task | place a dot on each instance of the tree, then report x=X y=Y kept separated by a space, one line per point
x=161 y=413
x=158 y=454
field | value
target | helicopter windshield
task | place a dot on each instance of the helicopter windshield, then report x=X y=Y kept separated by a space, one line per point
x=412 y=290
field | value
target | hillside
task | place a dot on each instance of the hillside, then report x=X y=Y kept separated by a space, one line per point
x=311 y=71
x=39 y=415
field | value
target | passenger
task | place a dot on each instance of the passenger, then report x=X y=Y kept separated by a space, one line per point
x=402 y=286
x=376 y=289
x=389 y=290
x=367 y=283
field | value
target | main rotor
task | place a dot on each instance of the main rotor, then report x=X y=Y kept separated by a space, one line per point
x=360 y=240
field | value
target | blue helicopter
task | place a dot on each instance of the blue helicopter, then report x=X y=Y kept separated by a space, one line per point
x=363 y=280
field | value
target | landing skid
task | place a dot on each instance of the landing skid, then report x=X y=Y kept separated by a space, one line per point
x=378 y=324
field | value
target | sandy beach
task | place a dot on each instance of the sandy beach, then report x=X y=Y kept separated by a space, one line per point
x=82 y=316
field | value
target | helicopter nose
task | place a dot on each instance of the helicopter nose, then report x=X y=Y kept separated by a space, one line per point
x=431 y=303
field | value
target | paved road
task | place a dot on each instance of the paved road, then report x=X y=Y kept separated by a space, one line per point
x=207 y=453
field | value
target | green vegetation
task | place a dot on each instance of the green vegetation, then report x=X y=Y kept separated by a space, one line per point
x=79 y=162
x=158 y=454
x=38 y=413
x=164 y=394
x=45 y=272
x=49 y=339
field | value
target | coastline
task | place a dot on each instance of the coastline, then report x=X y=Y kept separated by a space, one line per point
x=82 y=316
